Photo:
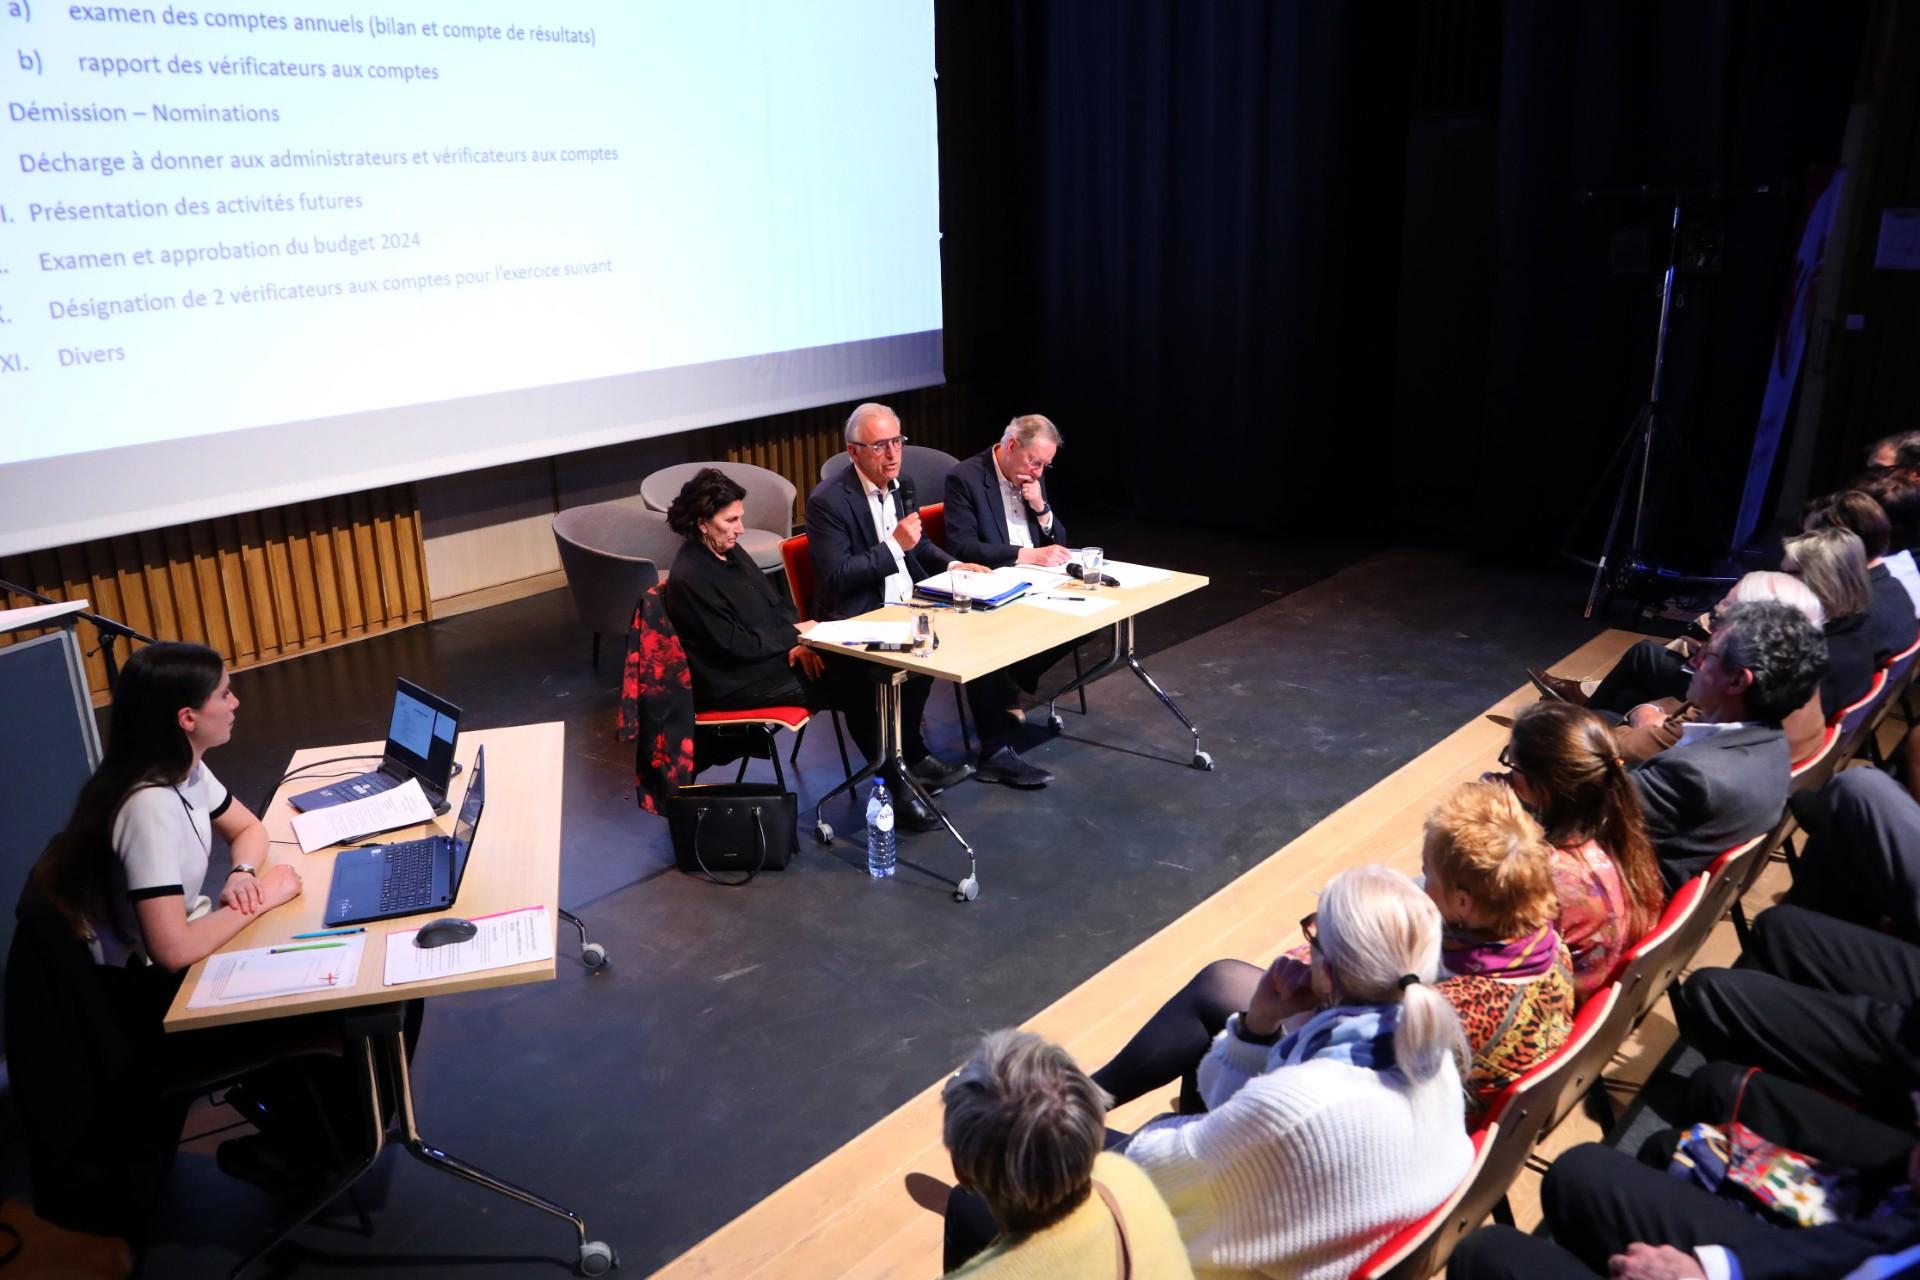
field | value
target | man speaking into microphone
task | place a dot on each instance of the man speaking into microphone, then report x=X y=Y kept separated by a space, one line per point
x=864 y=535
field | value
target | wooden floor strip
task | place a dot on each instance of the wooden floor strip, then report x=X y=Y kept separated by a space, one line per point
x=853 y=1215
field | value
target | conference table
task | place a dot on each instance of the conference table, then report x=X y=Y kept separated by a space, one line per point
x=977 y=642
x=514 y=863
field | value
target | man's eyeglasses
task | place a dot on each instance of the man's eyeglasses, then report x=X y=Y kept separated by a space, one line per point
x=892 y=444
x=1310 y=929
x=1698 y=661
x=1506 y=758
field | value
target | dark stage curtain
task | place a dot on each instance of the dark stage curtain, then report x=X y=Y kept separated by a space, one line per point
x=1297 y=266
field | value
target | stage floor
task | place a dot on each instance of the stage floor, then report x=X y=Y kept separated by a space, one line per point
x=739 y=1035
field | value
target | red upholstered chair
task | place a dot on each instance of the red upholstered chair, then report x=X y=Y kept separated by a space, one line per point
x=1853 y=719
x=798 y=562
x=933 y=523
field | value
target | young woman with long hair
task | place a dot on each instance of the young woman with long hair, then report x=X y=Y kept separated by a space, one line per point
x=1563 y=766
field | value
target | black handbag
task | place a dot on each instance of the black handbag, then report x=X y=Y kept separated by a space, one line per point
x=745 y=827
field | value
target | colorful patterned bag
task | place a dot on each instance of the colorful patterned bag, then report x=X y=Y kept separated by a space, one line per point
x=1733 y=1161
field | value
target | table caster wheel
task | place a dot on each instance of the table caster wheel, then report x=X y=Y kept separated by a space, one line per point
x=594 y=956
x=597 y=1258
x=1203 y=761
x=823 y=833
x=969 y=890
x=1056 y=723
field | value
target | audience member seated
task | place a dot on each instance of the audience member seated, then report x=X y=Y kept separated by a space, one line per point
x=1489 y=870
x=1024 y=1127
x=1825 y=1002
x=1562 y=766
x=1726 y=780
x=1899 y=452
x=1334 y=1109
x=1891 y=625
x=1513 y=990
x=1613 y=1215
x=1834 y=566
x=1654 y=726
x=1899 y=496
x=863 y=533
x=1861 y=860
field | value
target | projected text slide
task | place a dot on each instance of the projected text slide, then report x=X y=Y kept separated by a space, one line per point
x=220 y=218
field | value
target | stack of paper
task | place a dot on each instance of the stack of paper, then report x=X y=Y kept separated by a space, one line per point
x=321 y=965
x=403 y=806
x=854 y=631
x=1057 y=601
x=1134 y=575
x=510 y=937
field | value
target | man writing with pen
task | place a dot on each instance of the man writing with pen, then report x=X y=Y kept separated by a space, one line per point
x=864 y=534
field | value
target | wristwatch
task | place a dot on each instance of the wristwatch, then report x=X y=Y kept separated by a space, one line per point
x=247 y=867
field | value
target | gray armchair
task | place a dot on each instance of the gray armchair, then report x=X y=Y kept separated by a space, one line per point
x=612 y=552
x=769 y=504
x=926 y=469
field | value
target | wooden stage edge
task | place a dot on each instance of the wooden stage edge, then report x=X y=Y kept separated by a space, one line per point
x=854 y=1214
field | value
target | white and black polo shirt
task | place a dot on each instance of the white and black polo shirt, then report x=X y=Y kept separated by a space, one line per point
x=163 y=839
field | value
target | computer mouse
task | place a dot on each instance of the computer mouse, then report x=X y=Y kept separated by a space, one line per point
x=438 y=933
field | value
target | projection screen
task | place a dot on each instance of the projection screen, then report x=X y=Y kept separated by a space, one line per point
x=254 y=255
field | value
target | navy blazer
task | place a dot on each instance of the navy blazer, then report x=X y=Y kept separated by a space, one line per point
x=1704 y=798
x=977 y=518
x=850 y=567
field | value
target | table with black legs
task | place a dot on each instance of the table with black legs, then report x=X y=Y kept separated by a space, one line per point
x=976 y=643
x=514 y=863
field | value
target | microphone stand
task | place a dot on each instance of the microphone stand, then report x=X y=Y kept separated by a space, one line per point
x=110 y=629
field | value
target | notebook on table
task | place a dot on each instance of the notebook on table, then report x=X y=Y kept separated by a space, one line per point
x=380 y=882
x=421 y=736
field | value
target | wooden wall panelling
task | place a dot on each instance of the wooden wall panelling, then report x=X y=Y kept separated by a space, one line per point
x=258 y=586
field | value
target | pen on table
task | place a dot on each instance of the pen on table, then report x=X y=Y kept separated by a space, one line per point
x=1079 y=599
x=310 y=946
x=328 y=933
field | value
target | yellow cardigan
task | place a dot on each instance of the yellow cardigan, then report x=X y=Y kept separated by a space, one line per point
x=1081 y=1246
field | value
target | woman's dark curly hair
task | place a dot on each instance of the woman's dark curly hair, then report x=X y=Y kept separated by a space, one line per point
x=708 y=491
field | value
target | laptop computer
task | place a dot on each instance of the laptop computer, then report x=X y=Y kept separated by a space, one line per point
x=380 y=882
x=420 y=742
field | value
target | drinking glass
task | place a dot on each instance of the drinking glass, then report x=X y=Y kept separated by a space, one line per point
x=962 y=591
x=922 y=634
x=1091 y=559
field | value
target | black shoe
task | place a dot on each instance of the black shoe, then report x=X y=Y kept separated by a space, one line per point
x=1005 y=765
x=911 y=813
x=936 y=775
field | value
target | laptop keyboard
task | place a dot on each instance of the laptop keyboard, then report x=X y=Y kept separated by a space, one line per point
x=371 y=784
x=409 y=873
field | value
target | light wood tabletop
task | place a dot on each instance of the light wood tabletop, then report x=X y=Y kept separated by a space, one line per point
x=974 y=644
x=515 y=862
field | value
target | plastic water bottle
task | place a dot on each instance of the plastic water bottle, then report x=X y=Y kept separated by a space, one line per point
x=880 y=839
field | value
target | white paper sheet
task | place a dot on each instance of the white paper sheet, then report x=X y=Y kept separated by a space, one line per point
x=1066 y=602
x=854 y=631
x=1134 y=575
x=404 y=806
x=256 y=974
x=511 y=937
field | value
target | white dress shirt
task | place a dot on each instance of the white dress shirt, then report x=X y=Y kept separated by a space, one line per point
x=899 y=584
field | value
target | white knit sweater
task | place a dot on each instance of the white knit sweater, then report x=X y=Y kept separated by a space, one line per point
x=1301 y=1171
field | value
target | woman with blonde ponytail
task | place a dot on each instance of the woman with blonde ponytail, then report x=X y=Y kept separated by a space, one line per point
x=1334 y=1110
x=1562 y=766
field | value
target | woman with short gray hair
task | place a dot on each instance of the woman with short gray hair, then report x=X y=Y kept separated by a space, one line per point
x=1024 y=1127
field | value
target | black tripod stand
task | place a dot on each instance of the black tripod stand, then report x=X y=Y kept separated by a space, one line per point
x=1638 y=438
x=1614 y=569
x=110 y=629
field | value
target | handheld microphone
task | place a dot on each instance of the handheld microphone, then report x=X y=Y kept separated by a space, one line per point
x=903 y=488
x=1074 y=570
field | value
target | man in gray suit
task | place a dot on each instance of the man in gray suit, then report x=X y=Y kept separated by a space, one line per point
x=1726 y=780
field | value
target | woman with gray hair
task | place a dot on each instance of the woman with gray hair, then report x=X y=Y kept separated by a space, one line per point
x=1335 y=1113
x=1833 y=564
x=1024 y=1127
